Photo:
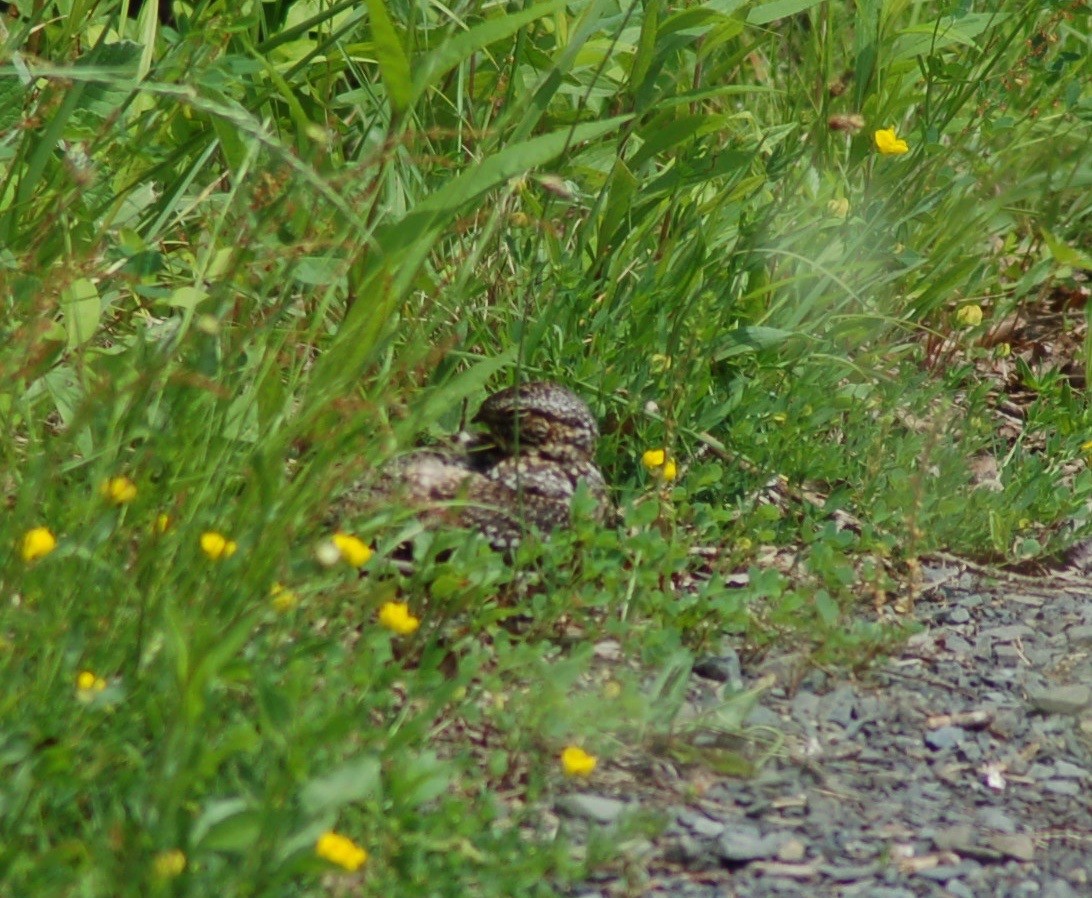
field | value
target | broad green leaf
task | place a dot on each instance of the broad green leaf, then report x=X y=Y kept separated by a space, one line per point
x=642 y=514
x=422 y=779
x=82 y=309
x=667 y=133
x=779 y=9
x=354 y=780
x=241 y=421
x=187 y=297
x=232 y=143
x=318 y=271
x=696 y=21
x=394 y=64
x=148 y=27
x=227 y=825
x=646 y=45
x=827 y=608
x=866 y=36
x=464 y=385
x=1064 y=254
x=922 y=40
x=751 y=339
x=494 y=170
x=586 y=27
x=462 y=46
x=110 y=73
x=621 y=190
x=404 y=245
x=13 y=94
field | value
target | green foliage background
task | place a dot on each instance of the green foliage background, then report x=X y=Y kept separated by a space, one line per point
x=248 y=252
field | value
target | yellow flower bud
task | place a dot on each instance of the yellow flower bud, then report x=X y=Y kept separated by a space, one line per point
x=38 y=543
x=169 y=864
x=352 y=549
x=283 y=600
x=838 y=208
x=653 y=458
x=118 y=490
x=889 y=143
x=217 y=546
x=577 y=763
x=969 y=315
x=396 y=617
x=340 y=850
x=657 y=462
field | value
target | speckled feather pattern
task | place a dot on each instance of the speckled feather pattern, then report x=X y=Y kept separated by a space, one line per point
x=524 y=471
x=542 y=416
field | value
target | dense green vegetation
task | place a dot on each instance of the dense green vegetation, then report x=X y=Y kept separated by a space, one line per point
x=249 y=252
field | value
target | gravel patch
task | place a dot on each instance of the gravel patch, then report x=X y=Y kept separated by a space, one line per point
x=960 y=768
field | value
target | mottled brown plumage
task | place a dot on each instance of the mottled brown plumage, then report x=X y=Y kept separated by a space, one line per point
x=543 y=417
x=522 y=472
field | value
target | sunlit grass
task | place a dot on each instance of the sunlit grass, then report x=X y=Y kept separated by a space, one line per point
x=250 y=254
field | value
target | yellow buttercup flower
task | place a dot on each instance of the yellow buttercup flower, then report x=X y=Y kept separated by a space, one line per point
x=969 y=315
x=284 y=600
x=88 y=683
x=839 y=208
x=161 y=524
x=889 y=143
x=169 y=864
x=577 y=763
x=656 y=461
x=653 y=458
x=340 y=850
x=395 y=616
x=217 y=546
x=118 y=490
x=352 y=549
x=38 y=543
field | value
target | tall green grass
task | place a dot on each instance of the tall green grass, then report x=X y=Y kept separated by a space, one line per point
x=247 y=254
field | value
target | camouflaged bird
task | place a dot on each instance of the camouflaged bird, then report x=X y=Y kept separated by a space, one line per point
x=523 y=471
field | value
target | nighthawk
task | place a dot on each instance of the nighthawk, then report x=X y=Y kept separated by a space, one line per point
x=522 y=472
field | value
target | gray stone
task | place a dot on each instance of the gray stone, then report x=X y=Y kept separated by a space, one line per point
x=1063 y=787
x=995 y=818
x=739 y=844
x=761 y=716
x=792 y=851
x=597 y=808
x=1070 y=699
x=1059 y=888
x=849 y=873
x=1065 y=770
x=958 y=645
x=944 y=737
x=701 y=825
x=1018 y=845
x=959 y=889
x=946 y=872
x=1008 y=633
x=840 y=706
x=1080 y=635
